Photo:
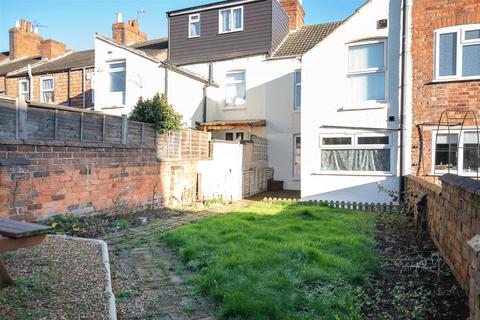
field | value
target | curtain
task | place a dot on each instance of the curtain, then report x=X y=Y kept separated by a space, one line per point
x=226 y=18
x=47 y=89
x=366 y=56
x=356 y=160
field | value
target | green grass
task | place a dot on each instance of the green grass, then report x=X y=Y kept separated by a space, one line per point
x=281 y=261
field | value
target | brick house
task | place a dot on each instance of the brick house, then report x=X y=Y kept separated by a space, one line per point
x=445 y=51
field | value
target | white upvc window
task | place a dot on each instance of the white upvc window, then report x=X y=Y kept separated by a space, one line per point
x=194 y=25
x=230 y=20
x=455 y=153
x=23 y=90
x=366 y=72
x=356 y=154
x=298 y=90
x=236 y=92
x=230 y=136
x=297 y=155
x=117 y=71
x=47 y=90
x=457 y=53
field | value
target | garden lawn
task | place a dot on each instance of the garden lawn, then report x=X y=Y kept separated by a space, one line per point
x=281 y=261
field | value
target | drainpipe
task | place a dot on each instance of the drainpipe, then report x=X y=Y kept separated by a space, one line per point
x=30 y=82
x=68 y=88
x=83 y=87
x=402 y=100
x=210 y=81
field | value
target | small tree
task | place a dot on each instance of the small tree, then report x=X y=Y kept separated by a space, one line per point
x=158 y=112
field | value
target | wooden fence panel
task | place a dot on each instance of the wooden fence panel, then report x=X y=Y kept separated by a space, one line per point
x=8 y=119
x=40 y=124
x=68 y=125
x=113 y=130
x=92 y=128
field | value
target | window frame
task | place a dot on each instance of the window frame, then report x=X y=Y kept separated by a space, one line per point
x=232 y=29
x=296 y=85
x=233 y=106
x=235 y=135
x=20 y=92
x=356 y=146
x=49 y=90
x=190 y=23
x=115 y=70
x=460 y=30
x=384 y=70
x=460 y=153
x=294 y=173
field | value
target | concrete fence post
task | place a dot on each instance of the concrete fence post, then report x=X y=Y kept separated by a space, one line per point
x=124 y=129
x=21 y=119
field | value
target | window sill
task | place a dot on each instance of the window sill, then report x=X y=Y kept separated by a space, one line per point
x=371 y=106
x=227 y=32
x=235 y=108
x=297 y=110
x=453 y=80
x=113 y=107
x=354 y=174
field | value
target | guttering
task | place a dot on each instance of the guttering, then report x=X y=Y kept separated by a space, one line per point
x=402 y=102
x=358 y=128
x=217 y=5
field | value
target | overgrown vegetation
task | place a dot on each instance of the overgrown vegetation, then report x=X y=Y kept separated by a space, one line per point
x=158 y=112
x=281 y=261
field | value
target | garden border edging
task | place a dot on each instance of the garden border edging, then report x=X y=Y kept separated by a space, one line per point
x=112 y=309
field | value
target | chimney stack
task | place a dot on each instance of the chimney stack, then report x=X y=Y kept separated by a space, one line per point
x=25 y=42
x=294 y=9
x=127 y=33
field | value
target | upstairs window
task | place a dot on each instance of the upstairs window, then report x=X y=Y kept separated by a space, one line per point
x=230 y=20
x=23 y=90
x=457 y=52
x=235 y=89
x=298 y=89
x=118 y=80
x=194 y=26
x=366 y=72
x=47 y=88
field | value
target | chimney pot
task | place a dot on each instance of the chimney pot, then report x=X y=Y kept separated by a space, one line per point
x=29 y=26
x=119 y=17
x=135 y=24
x=17 y=24
x=22 y=24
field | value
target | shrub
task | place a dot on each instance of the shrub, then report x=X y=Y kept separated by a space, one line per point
x=158 y=112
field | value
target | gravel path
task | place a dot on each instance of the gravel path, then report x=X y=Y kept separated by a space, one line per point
x=147 y=277
x=59 y=279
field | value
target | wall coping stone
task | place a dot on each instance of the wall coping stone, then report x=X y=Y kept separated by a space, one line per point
x=467 y=184
x=14 y=162
x=61 y=143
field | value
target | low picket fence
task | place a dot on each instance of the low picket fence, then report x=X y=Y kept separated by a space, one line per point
x=357 y=206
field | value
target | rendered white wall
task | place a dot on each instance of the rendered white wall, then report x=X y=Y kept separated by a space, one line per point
x=325 y=94
x=270 y=97
x=222 y=176
x=144 y=79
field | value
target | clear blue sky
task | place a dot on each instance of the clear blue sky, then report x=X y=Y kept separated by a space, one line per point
x=75 y=21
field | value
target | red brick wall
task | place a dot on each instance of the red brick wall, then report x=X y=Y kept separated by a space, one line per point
x=60 y=178
x=61 y=88
x=24 y=42
x=295 y=11
x=51 y=48
x=430 y=99
x=127 y=32
x=453 y=218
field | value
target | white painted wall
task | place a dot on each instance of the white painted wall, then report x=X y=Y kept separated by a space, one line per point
x=222 y=176
x=270 y=97
x=144 y=79
x=325 y=94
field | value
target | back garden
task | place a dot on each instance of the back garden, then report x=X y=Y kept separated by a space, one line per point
x=255 y=260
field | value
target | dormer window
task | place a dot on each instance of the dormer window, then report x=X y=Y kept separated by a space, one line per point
x=230 y=20
x=194 y=26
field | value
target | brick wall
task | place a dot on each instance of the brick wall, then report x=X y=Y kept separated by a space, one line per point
x=24 y=42
x=295 y=11
x=61 y=88
x=41 y=179
x=127 y=32
x=452 y=218
x=430 y=99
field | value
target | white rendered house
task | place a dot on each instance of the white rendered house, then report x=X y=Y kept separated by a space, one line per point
x=351 y=111
x=123 y=74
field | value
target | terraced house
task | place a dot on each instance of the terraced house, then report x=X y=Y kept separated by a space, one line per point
x=253 y=50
